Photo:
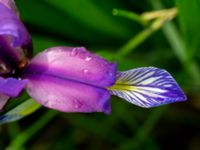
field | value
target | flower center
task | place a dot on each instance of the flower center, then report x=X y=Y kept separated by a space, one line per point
x=16 y=71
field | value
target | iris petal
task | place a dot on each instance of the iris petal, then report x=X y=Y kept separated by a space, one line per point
x=11 y=86
x=67 y=95
x=147 y=87
x=75 y=63
x=70 y=80
x=15 y=41
x=10 y=4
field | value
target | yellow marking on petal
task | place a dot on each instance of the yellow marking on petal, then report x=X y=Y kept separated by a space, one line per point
x=120 y=85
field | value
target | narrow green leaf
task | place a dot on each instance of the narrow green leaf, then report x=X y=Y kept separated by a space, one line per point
x=189 y=21
x=25 y=108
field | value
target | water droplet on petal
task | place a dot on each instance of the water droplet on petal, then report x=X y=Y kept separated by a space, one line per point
x=48 y=50
x=74 y=52
x=85 y=71
x=49 y=103
x=77 y=104
x=88 y=58
x=60 y=50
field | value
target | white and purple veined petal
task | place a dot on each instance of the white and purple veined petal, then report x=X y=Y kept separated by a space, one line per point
x=15 y=41
x=70 y=79
x=147 y=87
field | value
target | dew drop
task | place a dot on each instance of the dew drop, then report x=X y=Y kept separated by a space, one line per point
x=88 y=58
x=74 y=52
x=77 y=104
x=85 y=71
x=59 y=50
x=49 y=103
x=48 y=50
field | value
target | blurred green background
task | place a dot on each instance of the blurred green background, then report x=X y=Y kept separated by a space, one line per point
x=170 y=41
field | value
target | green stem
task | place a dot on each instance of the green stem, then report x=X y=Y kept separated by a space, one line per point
x=142 y=36
x=134 y=42
x=14 y=130
x=130 y=15
x=22 y=138
x=178 y=47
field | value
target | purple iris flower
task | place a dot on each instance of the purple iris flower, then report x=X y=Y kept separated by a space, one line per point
x=15 y=47
x=71 y=79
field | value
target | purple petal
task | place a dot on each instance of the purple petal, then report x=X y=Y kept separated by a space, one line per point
x=11 y=86
x=147 y=87
x=67 y=95
x=3 y=100
x=70 y=80
x=14 y=38
x=10 y=4
x=74 y=64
